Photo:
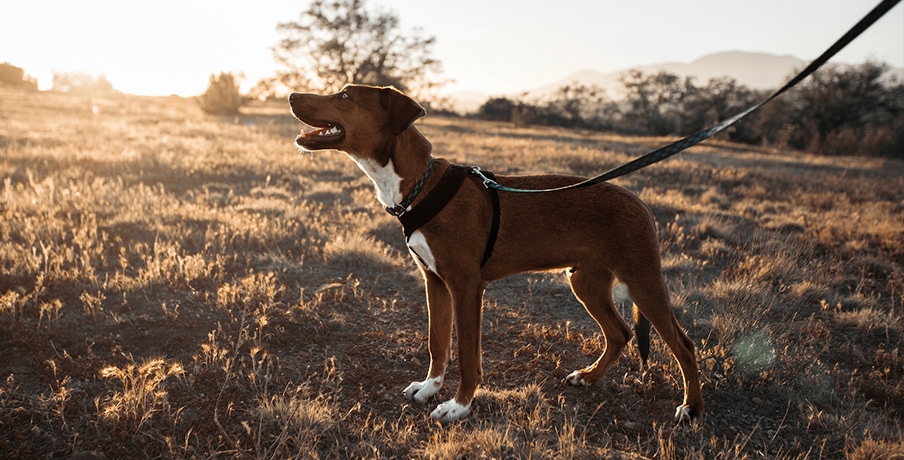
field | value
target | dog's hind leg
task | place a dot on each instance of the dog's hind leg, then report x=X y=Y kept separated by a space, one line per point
x=594 y=289
x=650 y=296
x=439 y=306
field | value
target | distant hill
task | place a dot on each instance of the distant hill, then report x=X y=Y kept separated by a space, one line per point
x=754 y=70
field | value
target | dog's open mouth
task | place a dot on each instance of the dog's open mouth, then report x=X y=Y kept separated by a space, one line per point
x=314 y=138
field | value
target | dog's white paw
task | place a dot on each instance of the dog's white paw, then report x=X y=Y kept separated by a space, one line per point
x=450 y=411
x=684 y=414
x=422 y=391
x=576 y=378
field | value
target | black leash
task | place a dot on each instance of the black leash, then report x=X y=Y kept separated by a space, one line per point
x=665 y=152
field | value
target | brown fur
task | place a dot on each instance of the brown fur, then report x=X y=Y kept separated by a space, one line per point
x=601 y=233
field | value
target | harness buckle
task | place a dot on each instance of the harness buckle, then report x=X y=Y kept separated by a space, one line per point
x=396 y=210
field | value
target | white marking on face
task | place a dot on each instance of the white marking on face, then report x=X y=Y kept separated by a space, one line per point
x=450 y=411
x=385 y=180
x=417 y=244
x=422 y=391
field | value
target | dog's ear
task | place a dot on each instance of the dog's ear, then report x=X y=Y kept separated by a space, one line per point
x=402 y=109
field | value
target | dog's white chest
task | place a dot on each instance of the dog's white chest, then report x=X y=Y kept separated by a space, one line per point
x=386 y=181
x=417 y=244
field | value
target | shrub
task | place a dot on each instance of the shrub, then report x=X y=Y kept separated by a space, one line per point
x=15 y=77
x=496 y=109
x=222 y=96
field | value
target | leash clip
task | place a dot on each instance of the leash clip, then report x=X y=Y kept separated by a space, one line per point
x=487 y=182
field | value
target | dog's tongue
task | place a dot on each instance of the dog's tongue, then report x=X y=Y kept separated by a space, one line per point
x=307 y=129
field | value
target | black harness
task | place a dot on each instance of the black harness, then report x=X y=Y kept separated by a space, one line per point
x=438 y=198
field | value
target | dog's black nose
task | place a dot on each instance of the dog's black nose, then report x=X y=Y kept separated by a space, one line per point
x=294 y=96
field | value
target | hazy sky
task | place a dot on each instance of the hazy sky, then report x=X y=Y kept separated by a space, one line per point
x=504 y=46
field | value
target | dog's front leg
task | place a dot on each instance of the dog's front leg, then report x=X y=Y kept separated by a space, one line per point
x=439 y=307
x=466 y=302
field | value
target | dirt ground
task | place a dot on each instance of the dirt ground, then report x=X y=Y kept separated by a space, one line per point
x=174 y=285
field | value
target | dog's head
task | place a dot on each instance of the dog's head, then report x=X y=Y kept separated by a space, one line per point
x=359 y=119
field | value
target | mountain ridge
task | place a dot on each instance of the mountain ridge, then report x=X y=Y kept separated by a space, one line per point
x=755 y=70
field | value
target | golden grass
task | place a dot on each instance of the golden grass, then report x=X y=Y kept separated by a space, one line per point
x=178 y=285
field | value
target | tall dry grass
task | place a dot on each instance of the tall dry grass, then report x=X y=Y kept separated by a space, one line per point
x=178 y=285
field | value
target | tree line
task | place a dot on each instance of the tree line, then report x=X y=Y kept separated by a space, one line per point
x=68 y=82
x=840 y=110
x=837 y=111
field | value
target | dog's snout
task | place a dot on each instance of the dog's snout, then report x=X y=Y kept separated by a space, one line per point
x=293 y=97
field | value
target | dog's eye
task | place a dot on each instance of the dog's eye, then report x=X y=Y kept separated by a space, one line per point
x=343 y=95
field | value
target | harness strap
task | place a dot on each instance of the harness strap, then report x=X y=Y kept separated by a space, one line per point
x=494 y=226
x=439 y=197
x=434 y=202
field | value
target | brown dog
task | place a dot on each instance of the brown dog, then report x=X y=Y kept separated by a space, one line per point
x=599 y=233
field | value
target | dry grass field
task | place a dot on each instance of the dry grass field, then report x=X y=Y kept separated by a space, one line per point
x=173 y=285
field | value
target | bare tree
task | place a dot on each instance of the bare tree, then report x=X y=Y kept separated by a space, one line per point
x=342 y=41
x=836 y=98
x=583 y=106
x=720 y=99
x=849 y=110
x=655 y=100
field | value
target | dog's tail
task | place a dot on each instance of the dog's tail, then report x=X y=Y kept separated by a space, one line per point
x=642 y=332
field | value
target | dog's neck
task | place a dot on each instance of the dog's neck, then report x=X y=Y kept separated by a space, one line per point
x=395 y=179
